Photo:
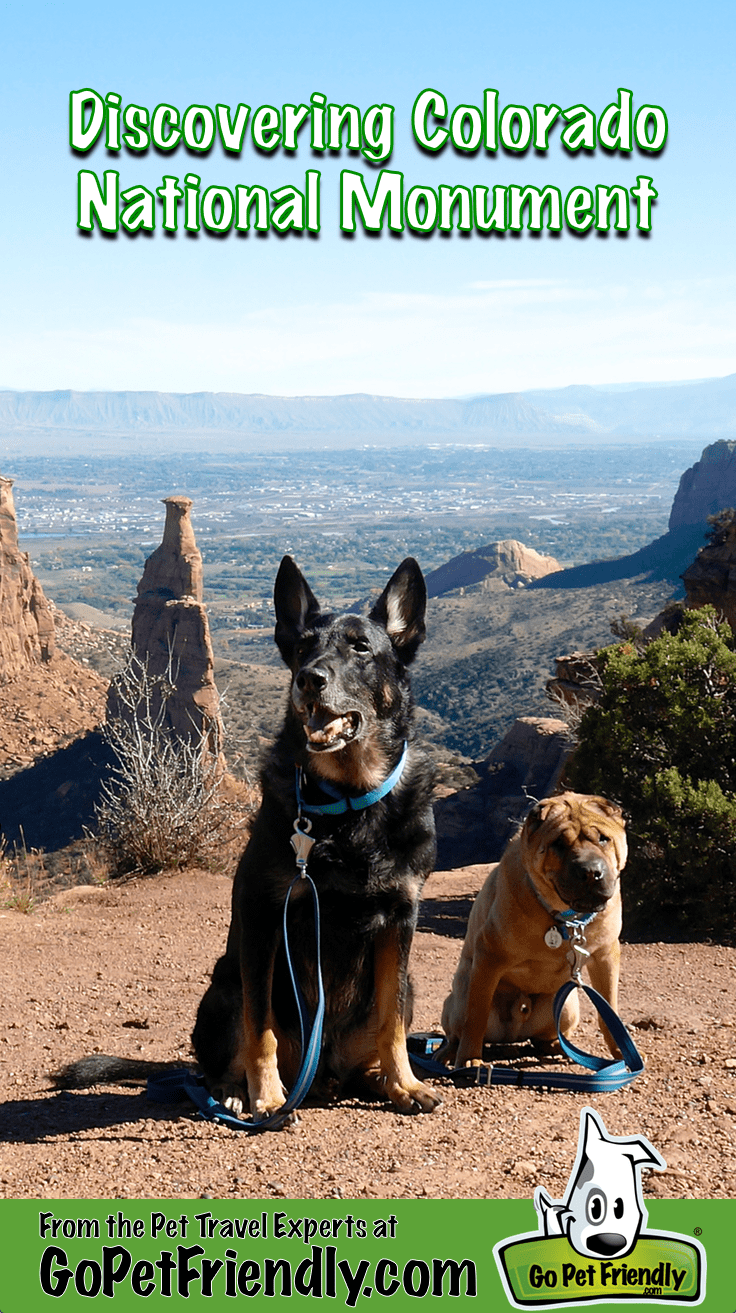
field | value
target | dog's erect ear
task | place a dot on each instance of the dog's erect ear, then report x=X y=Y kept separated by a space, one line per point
x=296 y=606
x=401 y=607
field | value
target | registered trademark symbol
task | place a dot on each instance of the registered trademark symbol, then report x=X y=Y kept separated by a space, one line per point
x=697 y=1230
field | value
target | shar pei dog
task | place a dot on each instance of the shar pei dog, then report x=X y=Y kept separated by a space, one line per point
x=562 y=868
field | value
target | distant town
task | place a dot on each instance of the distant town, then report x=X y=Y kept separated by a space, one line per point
x=347 y=516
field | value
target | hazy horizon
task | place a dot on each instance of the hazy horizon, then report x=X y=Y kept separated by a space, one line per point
x=625 y=385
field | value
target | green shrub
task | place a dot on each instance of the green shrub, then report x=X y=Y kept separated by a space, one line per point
x=662 y=742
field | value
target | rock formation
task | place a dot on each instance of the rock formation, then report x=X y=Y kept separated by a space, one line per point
x=171 y=636
x=711 y=579
x=576 y=681
x=26 y=622
x=505 y=564
x=474 y=825
x=709 y=486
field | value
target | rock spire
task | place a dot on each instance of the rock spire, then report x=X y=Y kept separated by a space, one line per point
x=26 y=621
x=171 y=635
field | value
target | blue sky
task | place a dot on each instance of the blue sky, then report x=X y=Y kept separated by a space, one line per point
x=407 y=316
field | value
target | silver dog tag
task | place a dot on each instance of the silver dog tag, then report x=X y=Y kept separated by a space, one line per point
x=553 y=938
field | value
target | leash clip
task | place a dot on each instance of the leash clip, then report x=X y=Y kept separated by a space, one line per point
x=578 y=954
x=302 y=844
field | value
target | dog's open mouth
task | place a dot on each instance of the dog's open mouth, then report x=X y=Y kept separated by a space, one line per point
x=328 y=730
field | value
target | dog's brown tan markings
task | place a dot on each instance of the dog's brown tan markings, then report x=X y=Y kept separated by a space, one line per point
x=349 y=716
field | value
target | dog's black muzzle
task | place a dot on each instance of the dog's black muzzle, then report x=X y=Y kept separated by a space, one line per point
x=587 y=883
x=311 y=681
x=329 y=718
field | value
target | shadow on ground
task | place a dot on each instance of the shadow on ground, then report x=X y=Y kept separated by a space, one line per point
x=665 y=558
x=445 y=916
x=31 y=1121
x=49 y=805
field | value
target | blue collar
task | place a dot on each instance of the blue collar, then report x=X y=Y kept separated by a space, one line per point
x=344 y=802
x=563 y=920
x=572 y=918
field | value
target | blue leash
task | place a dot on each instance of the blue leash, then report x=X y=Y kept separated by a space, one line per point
x=603 y=1075
x=184 y=1084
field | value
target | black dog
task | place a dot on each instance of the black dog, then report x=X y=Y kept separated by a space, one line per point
x=348 y=735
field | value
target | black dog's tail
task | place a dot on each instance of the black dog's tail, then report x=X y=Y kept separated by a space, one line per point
x=103 y=1069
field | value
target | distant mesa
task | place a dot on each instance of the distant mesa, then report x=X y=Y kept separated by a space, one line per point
x=26 y=621
x=504 y=564
x=171 y=635
x=231 y=421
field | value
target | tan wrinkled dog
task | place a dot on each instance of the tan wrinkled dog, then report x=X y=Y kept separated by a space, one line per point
x=567 y=857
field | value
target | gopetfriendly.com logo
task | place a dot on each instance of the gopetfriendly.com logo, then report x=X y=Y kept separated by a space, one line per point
x=593 y=1246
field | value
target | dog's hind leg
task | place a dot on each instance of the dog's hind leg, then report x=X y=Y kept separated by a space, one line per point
x=216 y=1033
x=395 y=1078
x=542 y=1026
x=235 y=1037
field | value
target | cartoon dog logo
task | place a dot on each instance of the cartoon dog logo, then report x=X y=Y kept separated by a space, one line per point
x=603 y=1211
x=594 y=1246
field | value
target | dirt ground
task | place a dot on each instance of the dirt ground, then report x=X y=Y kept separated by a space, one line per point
x=120 y=969
x=45 y=708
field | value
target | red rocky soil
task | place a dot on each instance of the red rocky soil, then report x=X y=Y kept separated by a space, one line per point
x=45 y=707
x=120 y=969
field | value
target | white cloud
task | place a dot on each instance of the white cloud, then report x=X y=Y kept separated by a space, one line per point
x=493 y=284
x=504 y=335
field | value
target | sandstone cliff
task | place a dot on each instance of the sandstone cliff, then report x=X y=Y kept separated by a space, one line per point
x=709 y=486
x=47 y=699
x=26 y=622
x=171 y=634
x=711 y=579
x=505 y=564
x=475 y=824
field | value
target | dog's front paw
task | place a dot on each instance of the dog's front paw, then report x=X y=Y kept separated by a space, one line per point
x=267 y=1097
x=263 y=1108
x=231 y=1096
x=469 y=1055
x=414 y=1098
x=262 y=1111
